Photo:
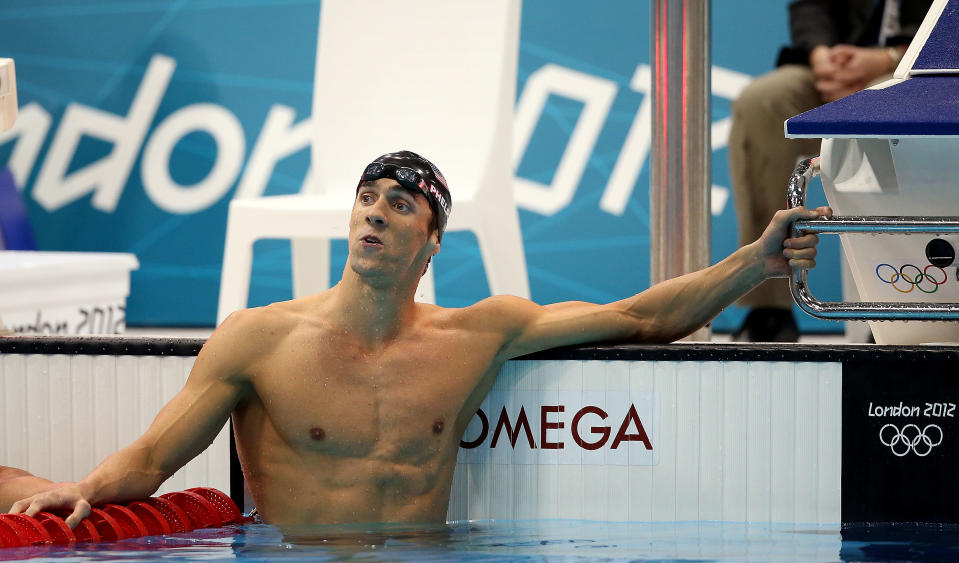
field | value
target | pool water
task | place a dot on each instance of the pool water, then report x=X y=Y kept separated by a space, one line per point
x=525 y=540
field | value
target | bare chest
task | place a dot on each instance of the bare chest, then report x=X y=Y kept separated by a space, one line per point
x=402 y=404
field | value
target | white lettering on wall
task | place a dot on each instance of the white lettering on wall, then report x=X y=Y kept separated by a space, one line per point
x=278 y=139
x=597 y=96
x=635 y=149
x=30 y=129
x=281 y=136
x=227 y=133
x=724 y=83
x=107 y=177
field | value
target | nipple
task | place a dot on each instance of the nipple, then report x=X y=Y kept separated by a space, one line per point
x=438 y=426
x=317 y=433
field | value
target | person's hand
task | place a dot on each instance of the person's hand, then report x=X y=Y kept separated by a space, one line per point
x=62 y=496
x=825 y=65
x=820 y=62
x=860 y=65
x=832 y=89
x=779 y=252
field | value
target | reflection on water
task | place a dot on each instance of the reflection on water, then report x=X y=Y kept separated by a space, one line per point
x=512 y=540
x=900 y=542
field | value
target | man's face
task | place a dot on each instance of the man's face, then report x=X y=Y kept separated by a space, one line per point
x=390 y=232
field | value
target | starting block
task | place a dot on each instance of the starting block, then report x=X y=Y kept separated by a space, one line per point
x=888 y=165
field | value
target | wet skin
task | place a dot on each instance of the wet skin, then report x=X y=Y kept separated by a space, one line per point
x=339 y=431
x=16 y=484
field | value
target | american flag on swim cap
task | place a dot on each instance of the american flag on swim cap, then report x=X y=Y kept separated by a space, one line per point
x=438 y=174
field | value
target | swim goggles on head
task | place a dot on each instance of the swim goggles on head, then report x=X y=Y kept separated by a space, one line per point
x=412 y=179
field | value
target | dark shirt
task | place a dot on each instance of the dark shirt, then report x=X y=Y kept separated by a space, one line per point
x=852 y=22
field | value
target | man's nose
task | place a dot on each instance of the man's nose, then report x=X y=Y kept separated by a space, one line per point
x=376 y=217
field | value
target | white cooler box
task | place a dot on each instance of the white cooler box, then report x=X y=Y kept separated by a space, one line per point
x=64 y=293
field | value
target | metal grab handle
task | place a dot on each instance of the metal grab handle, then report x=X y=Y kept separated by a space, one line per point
x=805 y=171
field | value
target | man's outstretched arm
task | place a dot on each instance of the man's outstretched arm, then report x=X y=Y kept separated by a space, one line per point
x=667 y=311
x=184 y=427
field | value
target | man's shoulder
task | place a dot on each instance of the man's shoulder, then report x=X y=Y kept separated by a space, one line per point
x=498 y=311
x=257 y=330
x=250 y=338
x=281 y=316
x=502 y=303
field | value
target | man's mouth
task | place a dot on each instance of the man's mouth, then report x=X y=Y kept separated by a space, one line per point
x=370 y=239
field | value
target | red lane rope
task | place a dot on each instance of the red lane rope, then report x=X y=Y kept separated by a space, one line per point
x=9 y=536
x=152 y=518
x=200 y=507
x=56 y=527
x=179 y=522
x=128 y=521
x=224 y=505
x=108 y=528
x=28 y=529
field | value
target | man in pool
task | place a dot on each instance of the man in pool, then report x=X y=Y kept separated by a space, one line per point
x=349 y=405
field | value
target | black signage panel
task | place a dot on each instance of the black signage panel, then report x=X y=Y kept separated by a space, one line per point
x=900 y=441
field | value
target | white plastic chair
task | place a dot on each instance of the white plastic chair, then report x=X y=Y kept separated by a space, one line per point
x=435 y=77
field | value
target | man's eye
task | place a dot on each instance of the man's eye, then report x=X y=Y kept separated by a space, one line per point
x=401 y=205
x=366 y=198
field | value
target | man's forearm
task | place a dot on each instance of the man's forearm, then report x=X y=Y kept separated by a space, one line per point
x=125 y=475
x=14 y=488
x=677 y=307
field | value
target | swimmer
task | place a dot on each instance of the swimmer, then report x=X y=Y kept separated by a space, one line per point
x=17 y=483
x=348 y=405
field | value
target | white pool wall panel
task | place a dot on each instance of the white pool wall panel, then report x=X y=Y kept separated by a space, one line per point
x=63 y=414
x=734 y=441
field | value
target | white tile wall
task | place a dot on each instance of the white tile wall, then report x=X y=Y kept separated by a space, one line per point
x=62 y=415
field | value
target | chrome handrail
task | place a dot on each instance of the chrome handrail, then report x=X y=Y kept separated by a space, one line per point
x=805 y=171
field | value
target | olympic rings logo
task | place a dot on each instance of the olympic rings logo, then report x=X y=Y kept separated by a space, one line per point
x=910 y=439
x=911 y=277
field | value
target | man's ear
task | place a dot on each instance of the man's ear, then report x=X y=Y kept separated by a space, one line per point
x=436 y=249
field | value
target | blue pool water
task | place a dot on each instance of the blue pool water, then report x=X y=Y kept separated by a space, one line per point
x=526 y=540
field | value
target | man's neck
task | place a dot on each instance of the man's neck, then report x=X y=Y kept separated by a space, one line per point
x=374 y=312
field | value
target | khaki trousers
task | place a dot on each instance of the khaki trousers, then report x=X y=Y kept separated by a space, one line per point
x=761 y=159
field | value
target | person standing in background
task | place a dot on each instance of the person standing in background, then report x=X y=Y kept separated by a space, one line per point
x=839 y=47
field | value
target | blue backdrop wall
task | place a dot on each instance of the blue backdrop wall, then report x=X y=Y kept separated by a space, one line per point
x=139 y=120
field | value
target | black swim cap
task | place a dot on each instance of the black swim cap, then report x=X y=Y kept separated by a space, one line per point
x=414 y=172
